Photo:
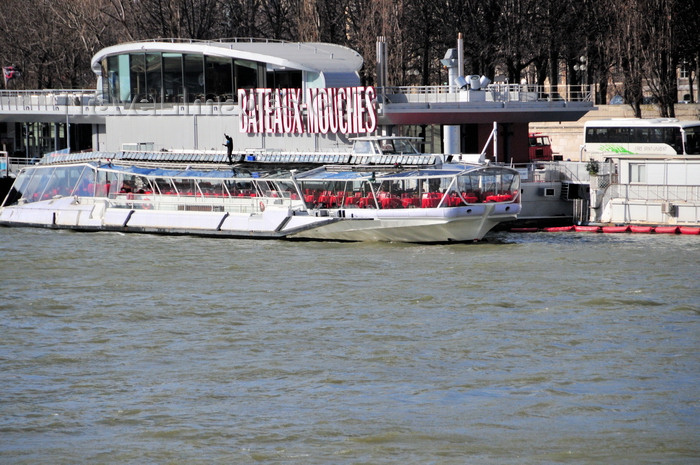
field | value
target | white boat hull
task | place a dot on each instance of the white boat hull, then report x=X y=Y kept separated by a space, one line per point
x=458 y=224
x=428 y=225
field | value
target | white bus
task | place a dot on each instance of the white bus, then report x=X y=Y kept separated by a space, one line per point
x=649 y=138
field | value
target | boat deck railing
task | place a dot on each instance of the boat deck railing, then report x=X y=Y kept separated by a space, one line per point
x=185 y=202
x=491 y=93
x=93 y=102
x=224 y=41
x=46 y=100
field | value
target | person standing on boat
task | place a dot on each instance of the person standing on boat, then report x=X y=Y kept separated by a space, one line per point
x=229 y=148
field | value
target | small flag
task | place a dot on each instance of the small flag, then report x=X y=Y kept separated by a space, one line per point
x=9 y=73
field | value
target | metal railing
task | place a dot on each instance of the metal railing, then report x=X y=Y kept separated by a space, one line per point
x=554 y=171
x=491 y=93
x=229 y=40
x=57 y=100
x=46 y=100
x=670 y=193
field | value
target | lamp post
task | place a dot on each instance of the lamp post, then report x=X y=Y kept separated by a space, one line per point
x=580 y=67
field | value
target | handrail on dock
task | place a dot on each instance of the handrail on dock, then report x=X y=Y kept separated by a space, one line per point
x=56 y=99
x=496 y=92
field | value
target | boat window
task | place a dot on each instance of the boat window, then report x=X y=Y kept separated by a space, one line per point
x=85 y=187
x=219 y=78
x=193 y=66
x=118 y=82
x=20 y=187
x=483 y=185
x=362 y=147
x=239 y=188
x=172 y=77
x=284 y=79
x=387 y=146
x=154 y=77
x=64 y=180
x=37 y=186
x=245 y=75
x=286 y=189
x=164 y=186
x=137 y=77
x=185 y=186
x=404 y=147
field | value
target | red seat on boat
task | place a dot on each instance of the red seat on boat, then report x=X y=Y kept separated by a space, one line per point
x=367 y=202
x=455 y=201
x=410 y=202
x=391 y=202
x=431 y=199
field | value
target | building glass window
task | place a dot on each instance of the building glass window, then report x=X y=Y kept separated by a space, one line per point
x=283 y=79
x=180 y=78
x=219 y=83
x=137 y=74
x=123 y=81
x=107 y=86
x=154 y=77
x=115 y=81
x=193 y=66
x=246 y=74
x=173 y=90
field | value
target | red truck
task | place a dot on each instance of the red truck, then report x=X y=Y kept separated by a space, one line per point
x=540 y=148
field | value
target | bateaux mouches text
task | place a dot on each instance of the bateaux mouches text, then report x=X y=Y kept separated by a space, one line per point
x=346 y=110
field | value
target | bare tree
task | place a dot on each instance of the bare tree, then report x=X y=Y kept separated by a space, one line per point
x=368 y=19
x=51 y=51
x=323 y=20
x=201 y=19
x=597 y=27
x=278 y=19
x=308 y=21
x=659 y=59
x=241 y=18
x=628 y=48
x=514 y=29
x=686 y=39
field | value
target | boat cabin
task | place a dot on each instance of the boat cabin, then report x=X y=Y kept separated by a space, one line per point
x=221 y=190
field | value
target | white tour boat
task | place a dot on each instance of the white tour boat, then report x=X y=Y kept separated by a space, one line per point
x=395 y=195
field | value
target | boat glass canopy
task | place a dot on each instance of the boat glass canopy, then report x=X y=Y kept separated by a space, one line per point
x=454 y=185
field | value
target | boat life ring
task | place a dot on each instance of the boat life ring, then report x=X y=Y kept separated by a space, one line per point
x=262 y=206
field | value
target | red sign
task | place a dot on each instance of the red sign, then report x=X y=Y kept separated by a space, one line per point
x=346 y=110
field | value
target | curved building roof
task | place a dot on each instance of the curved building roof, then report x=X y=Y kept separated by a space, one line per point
x=306 y=56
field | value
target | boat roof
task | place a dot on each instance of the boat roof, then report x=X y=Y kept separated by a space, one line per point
x=322 y=173
x=305 y=56
x=326 y=174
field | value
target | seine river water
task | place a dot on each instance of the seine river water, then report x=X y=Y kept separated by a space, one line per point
x=525 y=349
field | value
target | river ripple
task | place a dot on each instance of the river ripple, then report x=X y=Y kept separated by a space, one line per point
x=526 y=349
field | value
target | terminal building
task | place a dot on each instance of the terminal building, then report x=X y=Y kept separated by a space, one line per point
x=184 y=95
